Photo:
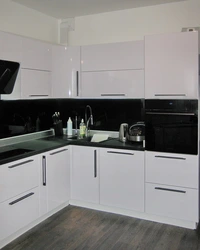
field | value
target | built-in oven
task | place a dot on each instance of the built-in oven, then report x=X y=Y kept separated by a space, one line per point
x=171 y=126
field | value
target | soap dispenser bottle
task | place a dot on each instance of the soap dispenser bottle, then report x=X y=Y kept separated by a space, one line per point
x=69 y=126
x=82 y=129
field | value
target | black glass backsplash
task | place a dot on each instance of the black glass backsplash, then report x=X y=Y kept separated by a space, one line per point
x=20 y=116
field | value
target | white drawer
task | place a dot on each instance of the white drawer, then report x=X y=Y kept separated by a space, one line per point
x=18 y=177
x=172 y=169
x=173 y=202
x=18 y=212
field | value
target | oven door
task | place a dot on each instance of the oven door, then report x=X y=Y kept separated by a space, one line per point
x=171 y=132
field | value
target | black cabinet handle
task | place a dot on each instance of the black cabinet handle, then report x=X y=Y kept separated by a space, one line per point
x=169 y=157
x=95 y=163
x=19 y=164
x=57 y=152
x=170 y=190
x=44 y=171
x=170 y=95
x=113 y=95
x=21 y=198
x=77 y=82
x=120 y=153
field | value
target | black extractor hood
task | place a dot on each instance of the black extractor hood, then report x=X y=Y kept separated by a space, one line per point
x=8 y=75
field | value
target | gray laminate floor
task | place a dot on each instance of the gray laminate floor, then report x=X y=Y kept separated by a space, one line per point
x=81 y=228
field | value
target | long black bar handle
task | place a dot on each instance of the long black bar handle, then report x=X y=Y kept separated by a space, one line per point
x=21 y=198
x=44 y=171
x=95 y=164
x=59 y=151
x=170 y=157
x=77 y=82
x=170 y=190
x=120 y=153
x=19 y=164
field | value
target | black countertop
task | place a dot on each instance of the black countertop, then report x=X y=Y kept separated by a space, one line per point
x=37 y=146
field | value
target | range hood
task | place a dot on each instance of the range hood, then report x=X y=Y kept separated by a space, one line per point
x=8 y=75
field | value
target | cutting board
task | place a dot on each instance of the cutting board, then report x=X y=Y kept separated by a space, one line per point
x=99 y=137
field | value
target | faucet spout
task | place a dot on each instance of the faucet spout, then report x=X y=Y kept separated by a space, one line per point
x=89 y=120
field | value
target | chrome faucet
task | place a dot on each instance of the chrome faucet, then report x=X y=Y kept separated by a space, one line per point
x=90 y=119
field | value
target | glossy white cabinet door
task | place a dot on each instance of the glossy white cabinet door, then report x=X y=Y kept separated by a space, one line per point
x=170 y=201
x=35 y=84
x=54 y=179
x=85 y=174
x=172 y=169
x=58 y=177
x=171 y=65
x=10 y=47
x=18 y=177
x=123 y=83
x=36 y=54
x=18 y=212
x=113 y=56
x=122 y=179
x=65 y=71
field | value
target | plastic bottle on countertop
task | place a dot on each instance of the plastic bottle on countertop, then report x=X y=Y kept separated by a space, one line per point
x=69 y=126
x=82 y=129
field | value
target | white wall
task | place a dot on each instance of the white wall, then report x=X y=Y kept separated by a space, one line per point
x=133 y=24
x=21 y=20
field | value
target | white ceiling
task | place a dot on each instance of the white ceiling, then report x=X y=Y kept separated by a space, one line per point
x=62 y=9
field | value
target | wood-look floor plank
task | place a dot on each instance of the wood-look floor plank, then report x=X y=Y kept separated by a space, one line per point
x=75 y=228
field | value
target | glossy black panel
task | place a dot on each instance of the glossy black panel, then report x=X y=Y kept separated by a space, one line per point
x=19 y=117
x=172 y=126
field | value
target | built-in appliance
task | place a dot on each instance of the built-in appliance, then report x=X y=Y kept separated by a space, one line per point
x=136 y=132
x=8 y=75
x=171 y=126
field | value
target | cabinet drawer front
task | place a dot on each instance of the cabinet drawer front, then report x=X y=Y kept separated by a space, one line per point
x=113 y=56
x=124 y=83
x=172 y=169
x=18 y=177
x=18 y=212
x=173 y=202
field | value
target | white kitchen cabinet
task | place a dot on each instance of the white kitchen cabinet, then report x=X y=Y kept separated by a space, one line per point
x=35 y=84
x=123 y=83
x=172 y=169
x=36 y=54
x=113 y=56
x=174 y=202
x=19 y=176
x=122 y=179
x=10 y=47
x=55 y=179
x=85 y=174
x=171 y=66
x=65 y=71
x=18 y=212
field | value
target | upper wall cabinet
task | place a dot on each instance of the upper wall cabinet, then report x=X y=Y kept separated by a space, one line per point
x=114 y=56
x=65 y=71
x=36 y=55
x=171 y=66
x=10 y=47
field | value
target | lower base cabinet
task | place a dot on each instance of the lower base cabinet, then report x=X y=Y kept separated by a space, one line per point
x=174 y=202
x=55 y=179
x=85 y=174
x=122 y=179
x=18 y=212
